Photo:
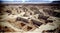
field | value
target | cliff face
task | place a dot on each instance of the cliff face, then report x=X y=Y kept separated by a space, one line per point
x=30 y=18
